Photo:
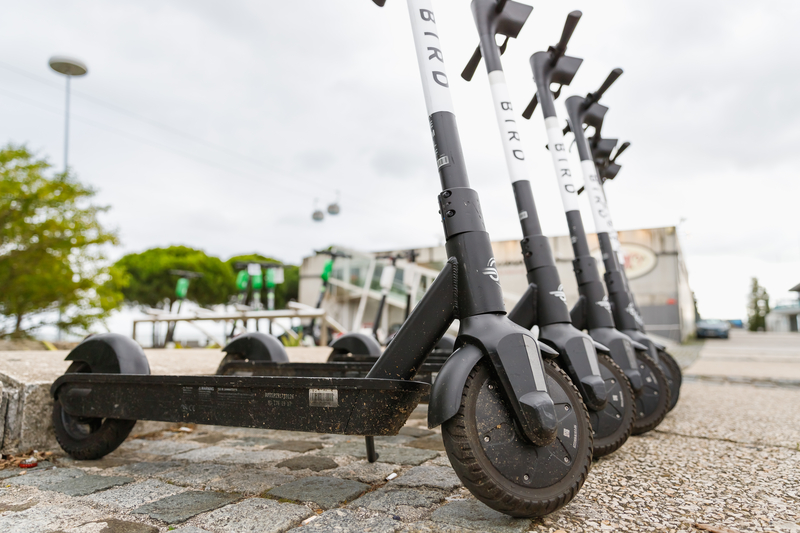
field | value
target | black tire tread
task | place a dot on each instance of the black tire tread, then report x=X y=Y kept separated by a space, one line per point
x=600 y=450
x=677 y=375
x=482 y=486
x=105 y=440
x=641 y=427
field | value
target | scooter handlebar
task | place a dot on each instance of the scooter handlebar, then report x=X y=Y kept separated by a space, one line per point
x=569 y=28
x=621 y=149
x=472 y=65
x=612 y=77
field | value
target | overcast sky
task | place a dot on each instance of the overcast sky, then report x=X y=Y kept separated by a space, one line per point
x=217 y=124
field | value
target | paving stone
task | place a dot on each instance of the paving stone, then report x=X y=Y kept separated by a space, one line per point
x=47 y=518
x=394 y=439
x=221 y=454
x=326 y=492
x=166 y=447
x=189 y=529
x=185 y=505
x=299 y=446
x=474 y=515
x=15 y=508
x=347 y=521
x=255 y=514
x=408 y=504
x=146 y=469
x=249 y=481
x=310 y=462
x=405 y=456
x=105 y=462
x=250 y=442
x=441 y=460
x=437 y=477
x=11 y=471
x=44 y=479
x=415 y=432
x=364 y=471
x=135 y=494
x=357 y=449
x=112 y=525
x=212 y=438
x=426 y=526
x=88 y=484
x=196 y=475
x=432 y=442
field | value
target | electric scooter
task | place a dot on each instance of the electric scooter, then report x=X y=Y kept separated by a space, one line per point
x=604 y=387
x=607 y=168
x=592 y=311
x=514 y=426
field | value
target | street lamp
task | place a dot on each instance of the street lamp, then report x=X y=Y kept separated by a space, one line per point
x=69 y=67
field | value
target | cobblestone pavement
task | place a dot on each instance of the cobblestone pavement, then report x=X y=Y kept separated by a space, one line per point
x=728 y=456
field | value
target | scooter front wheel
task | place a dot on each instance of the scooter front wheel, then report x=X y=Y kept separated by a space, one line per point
x=613 y=425
x=501 y=467
x=674 y=376
x=653 y=402
x=86 y=438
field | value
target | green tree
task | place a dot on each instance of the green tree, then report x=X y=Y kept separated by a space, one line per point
x=151 y=284
x=291 y=278
x=758 y=307
x=51 y=248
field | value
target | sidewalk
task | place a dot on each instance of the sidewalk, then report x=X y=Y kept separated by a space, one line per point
x=727 y=456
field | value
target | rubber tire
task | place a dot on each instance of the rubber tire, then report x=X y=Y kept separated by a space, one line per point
x=484 y=481
x=658 y=386
x=670 y=366
x=100 y=442
x=605 y=445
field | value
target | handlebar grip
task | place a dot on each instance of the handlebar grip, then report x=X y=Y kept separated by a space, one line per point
x=472 y=65
x=528 y=113
x=569 y=27
x=616 y=73
x=621 y=149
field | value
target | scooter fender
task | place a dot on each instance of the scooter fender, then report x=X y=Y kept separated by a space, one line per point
x=445 y=395
x=357 y=344
x=257 y=346
x=111 y=353
x=516 y=359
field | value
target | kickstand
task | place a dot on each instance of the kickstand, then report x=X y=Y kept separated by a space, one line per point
x=372 y=455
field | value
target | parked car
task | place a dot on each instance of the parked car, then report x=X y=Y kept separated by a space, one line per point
x=712 y=328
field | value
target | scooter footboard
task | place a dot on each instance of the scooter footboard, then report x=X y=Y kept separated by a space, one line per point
x=324 y=405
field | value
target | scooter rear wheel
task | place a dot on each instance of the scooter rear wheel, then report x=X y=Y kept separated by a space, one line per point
x=86 y=438
x=613 y=425
x=652 y=404
x=674 y=376
x=499 y=465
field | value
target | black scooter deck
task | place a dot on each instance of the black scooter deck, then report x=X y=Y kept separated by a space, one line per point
x=345 y=406
x=339 y=369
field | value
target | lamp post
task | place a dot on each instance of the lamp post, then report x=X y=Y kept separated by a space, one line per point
x=69 y=67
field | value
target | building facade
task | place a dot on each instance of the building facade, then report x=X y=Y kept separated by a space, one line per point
x=654 y=265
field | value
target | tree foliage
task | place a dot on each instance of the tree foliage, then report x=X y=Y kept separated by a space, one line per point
x=758 y=307
x=291 y=279
x=152 y=284
x=51 y=248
